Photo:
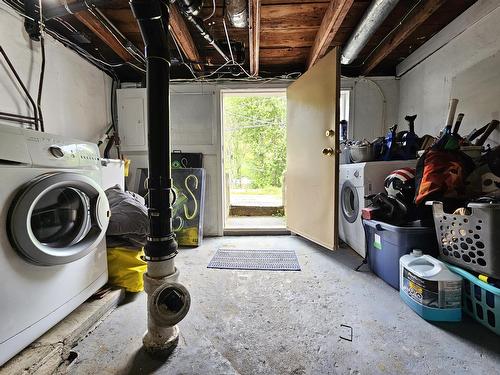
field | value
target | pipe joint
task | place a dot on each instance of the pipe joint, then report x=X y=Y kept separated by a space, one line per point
x=169 y=304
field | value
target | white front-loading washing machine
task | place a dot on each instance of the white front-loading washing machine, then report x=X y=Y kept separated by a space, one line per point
x=53 y=219
x=356 y=181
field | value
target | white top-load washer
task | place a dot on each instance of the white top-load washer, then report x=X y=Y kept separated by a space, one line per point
x=356 y=181
x=53 y=219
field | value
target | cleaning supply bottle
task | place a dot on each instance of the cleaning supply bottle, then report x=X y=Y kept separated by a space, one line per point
x=430 y=288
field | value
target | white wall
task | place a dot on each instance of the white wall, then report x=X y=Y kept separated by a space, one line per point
x=447 y=64
x=76 y=95
x=374 y=106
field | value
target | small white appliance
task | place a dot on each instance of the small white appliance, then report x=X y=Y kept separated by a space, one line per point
x=112 y=173
x=53 y=218
x=356 y=181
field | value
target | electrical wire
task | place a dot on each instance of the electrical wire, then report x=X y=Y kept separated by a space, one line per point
x=213 y=12
x=42 y=67
x=23 y=86
x=112 y=30
x=109 y=66
x=66 y=24
x=229 y=44
x=181 y=56
x=59 y=37
x=227 y=38
x=101 y=64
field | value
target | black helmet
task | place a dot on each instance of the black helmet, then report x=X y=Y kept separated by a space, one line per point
x=401 y=184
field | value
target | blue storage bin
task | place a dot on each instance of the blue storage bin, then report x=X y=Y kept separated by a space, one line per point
x=480 y=300
x=386 y=243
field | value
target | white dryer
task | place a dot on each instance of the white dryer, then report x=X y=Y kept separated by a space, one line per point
x=355 y=182
x=53 y=218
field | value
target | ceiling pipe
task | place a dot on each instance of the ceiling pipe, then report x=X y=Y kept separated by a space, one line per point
x=53 y=11
x=237 y=12
x=371 y=21
x=189 y=10
x=191 y=6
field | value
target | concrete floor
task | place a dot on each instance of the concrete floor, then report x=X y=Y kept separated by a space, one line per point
x=258 y=322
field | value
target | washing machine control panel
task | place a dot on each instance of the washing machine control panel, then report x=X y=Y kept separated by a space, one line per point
x=49 y=150
x=355 y=175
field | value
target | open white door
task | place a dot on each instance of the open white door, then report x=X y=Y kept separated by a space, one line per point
x=312 y=163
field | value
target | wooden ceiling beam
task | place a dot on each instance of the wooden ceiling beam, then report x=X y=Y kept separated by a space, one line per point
x=103 y=33
x=402 y=33
x=254 y=38
x=183 y=37
x=332 y=20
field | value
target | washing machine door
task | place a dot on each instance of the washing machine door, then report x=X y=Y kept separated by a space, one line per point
x=349 y=202
x=58 y=218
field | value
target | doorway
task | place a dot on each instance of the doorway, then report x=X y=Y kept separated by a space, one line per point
x=254 y=133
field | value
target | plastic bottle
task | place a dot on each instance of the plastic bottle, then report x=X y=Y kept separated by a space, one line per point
x=430 y=288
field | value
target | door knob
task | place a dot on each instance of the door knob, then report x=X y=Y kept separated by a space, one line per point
x=328 y=151
x=330 y=133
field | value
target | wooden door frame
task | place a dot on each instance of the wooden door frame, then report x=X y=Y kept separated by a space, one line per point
x=336 y=170
x=242 y=89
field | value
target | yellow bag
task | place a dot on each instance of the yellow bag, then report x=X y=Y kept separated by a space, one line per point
x=125 y=268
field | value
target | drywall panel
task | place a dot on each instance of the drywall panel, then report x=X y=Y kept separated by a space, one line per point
x=455 y=53
x=478 y=88
x=193 y=118
x=75 y=99
x=374 y=106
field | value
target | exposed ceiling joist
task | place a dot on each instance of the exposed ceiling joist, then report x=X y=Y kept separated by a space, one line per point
x=254 y=29
x=419 y=16
x=183 y=37
x=332 y=20
x=103 y=33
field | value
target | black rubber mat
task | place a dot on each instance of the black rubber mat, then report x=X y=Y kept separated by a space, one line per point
x=269 y=260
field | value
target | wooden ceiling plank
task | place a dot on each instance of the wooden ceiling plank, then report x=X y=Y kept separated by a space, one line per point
x=335 y=14
x=402 y=33
x=183 y=37
x=254 y=35
x=103 y=33
x=292 y=15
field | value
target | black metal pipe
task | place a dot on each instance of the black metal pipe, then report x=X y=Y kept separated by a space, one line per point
x=152 y=18
x=197 y=23
x=192 y=6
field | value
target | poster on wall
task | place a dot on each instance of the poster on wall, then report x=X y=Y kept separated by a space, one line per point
x=188 y=208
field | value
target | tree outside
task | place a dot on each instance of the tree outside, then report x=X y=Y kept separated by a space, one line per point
x=255 y=144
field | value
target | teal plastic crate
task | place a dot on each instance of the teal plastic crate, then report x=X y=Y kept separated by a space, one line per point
x=480 y=300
